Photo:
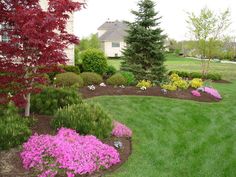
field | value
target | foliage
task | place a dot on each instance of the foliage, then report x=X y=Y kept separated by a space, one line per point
x=144 y=54
x=120 y=130
x=111 y=70
x=14 y=129
x=169 y=86
x=74 y=69
x=94 y=60
x=91 y=78
x=207 y=29
x=60 y=154
x=129 y=77
x=196 y=83
x=117 y=80
x=68 y=79
x=175 y=83
x=37 y=40
x=85 y=119
x=144 y=83
x=91 y=42
x=50 y=99
x=212 y=76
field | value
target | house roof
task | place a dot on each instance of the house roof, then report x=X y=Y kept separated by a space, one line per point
x=115 y=31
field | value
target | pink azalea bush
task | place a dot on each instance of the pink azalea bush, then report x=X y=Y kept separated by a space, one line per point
x=212 y=92
x=121 y=130
x=196 y=93
x=67 y=151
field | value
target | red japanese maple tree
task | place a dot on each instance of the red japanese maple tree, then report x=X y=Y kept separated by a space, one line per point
x=36 y=44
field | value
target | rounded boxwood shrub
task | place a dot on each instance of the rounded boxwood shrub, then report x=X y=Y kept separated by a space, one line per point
x=117 y=79
x=85 y=119
x=94 y=60
x=68 y=79
x=129 y=76
x=14 y=129
x=90 y=78
x=50 y=99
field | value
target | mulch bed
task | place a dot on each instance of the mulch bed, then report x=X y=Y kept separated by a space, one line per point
x=153 y=91
x=11 y=165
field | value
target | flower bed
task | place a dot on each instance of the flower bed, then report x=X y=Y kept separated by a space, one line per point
x=67 y=153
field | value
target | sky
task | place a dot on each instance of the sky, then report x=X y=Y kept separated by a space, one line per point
x=173 y=13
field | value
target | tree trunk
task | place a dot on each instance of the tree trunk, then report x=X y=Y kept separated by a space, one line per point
x=27 y=107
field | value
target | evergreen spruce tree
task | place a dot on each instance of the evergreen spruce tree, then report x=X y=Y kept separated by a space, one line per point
x=144 y=54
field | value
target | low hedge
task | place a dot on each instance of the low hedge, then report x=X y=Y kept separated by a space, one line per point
x=91 y=78
x=68 y=79
x=211 y=76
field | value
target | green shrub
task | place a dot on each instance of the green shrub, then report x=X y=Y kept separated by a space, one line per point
x=94 y=60
x=117 y=79
x=213 y=76
x=111 y=70
x=129 y=76
x=90 y=78
x=73 y=69
x=195 y=75
x=50 y=99
x=85 y=119
x=68 y=79
x=14 y=129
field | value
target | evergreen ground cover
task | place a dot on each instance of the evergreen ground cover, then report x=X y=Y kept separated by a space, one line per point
x=177 y=137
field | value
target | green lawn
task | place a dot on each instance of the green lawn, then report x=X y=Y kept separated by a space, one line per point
x=178 y=138
x=228 y=71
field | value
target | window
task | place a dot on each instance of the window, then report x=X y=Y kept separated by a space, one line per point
x=115 y=44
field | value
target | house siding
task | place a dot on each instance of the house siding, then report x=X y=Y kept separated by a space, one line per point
x=113 y=51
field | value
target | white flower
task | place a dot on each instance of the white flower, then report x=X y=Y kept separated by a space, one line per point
x=55 y=78
x=122 y=86
x=102 y=85
x=143 y=88
x=91 y=87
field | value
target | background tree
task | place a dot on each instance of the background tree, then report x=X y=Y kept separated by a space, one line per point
x=208 y=28
x=144 y=54
x=91 y=42
x=37 y=40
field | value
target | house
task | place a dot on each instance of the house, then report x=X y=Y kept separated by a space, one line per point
x=111 y=34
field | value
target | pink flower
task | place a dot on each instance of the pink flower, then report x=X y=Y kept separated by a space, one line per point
x=69 y=151
x=121 y=130
x=212 y=92
x=196 y=93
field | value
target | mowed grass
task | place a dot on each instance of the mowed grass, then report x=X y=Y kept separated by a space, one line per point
x=228 y=71
x=178 y=138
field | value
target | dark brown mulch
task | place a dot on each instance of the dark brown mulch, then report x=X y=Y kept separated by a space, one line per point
x=11 y=165
x=153 y=91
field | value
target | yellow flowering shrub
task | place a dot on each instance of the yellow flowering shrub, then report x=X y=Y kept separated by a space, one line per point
x=170 y=87
x=144 y=83
x=196 y=83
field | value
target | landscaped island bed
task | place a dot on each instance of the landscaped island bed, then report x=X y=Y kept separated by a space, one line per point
x=11 y=163
x=153 y=91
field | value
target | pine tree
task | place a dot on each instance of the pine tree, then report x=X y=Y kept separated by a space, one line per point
x=144 y=54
